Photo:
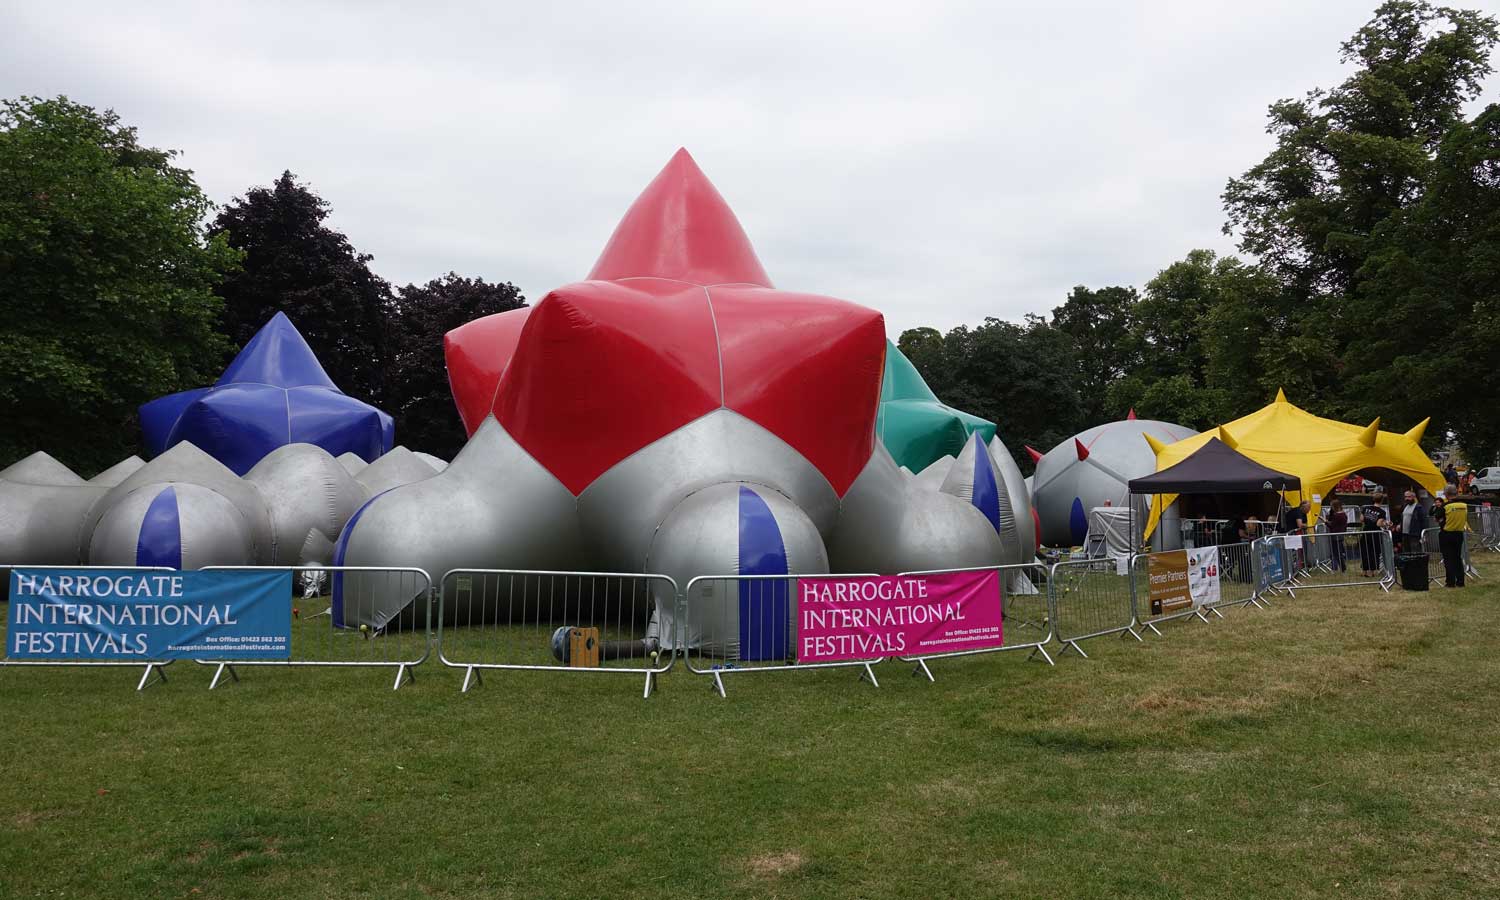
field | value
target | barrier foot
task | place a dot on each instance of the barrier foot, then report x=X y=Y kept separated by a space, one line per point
x=219 y=673
x=1154 y=630
x=650 y=685
x=1215 y=611
x=1131 y=632
x=1198 y=614
x=403 y=675
x=869 y=675
x=1076 y=649
x=1042 y=650
x=471 y=678
x=146 y=680
x=921 y=668
x=718 y=685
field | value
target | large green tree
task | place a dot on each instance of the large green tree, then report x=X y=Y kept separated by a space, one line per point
x=296 y=264
x=1097 y=323
x=418 y=394
x=1019 y=376
x=106 y=281
x=1325 y=211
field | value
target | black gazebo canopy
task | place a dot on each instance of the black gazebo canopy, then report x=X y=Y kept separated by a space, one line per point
x=1216 y=468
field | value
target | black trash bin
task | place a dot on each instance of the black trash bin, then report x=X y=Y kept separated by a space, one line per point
x=1413 y=569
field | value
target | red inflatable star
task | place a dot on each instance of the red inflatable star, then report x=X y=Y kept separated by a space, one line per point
x=676 y=320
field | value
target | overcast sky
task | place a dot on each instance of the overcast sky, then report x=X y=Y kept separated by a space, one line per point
x=940 y=162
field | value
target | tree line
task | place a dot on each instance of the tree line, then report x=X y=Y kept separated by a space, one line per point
x=1370 y=286
x=121 y=282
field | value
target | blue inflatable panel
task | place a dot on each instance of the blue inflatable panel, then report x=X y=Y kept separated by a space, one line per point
x=160 y=541
x=274 y=393
x=764 y=605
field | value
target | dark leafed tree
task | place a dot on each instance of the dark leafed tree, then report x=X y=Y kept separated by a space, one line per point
x=1097 y=322
x=1021 y=377
x=294 y=263
x=1347 y=165
x=418 y=394
x=106 y=282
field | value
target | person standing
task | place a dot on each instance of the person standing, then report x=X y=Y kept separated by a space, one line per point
x=1413 y=523
x=1338 y=524
x=1454 y=522
x=1294 y=520
x=1374 y=518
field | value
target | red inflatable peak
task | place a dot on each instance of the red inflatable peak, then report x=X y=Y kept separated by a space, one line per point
x=680 y=228
x=1130 y=416
x=1031 y=451
x=1083 y=452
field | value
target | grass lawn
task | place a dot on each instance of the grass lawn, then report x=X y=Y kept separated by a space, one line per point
x=1341 y=743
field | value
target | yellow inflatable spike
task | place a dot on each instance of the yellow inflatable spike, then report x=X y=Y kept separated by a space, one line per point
x=1280 y=395
x=1416 y=433
x=1156 y=446
x=1367 y=437
x=1228 y=438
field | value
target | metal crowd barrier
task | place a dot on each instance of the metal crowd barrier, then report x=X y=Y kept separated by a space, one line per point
x=716 y=639
x=1202 y=532
x=1437 y=571
x=1091 y=598
x=547 y=621
x=1238 y=580
x=1484 y=524
x=1147 y=614
x=397 y=599
x=1324 y=559
x=155 y=667
x=1025 y=613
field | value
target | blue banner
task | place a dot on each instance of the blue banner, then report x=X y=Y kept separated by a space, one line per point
x=1271 y=570
x=125 y=615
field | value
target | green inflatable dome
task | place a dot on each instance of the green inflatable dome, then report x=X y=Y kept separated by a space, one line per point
x=913 y=424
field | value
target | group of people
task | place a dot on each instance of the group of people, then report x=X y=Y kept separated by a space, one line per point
x=1449 y=513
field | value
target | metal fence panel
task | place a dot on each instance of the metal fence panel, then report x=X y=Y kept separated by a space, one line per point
x=748 y=623
x=1432 y=546
x=1325 y=559
x=1238 y=583
x=153 y=667
x=403 y=642
x=1484 y=524
x=1146 y=615
x=1024 y=611
x=531 y=620
x=1091 y=598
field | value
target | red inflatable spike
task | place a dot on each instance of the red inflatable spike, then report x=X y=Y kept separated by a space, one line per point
x=677 y=319
x=1130 y=416
x=1035 y=456
x=1083 y=452
x=680 y=227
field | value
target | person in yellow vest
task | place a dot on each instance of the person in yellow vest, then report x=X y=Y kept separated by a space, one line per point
x=1453 y=519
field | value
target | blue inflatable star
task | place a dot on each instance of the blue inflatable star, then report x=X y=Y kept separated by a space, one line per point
x=274 y=393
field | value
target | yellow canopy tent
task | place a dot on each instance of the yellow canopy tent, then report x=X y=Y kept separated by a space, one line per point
x=1319 y=451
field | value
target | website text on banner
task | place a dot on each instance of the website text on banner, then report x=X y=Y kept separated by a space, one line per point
x=898 y=615
x=132 y=615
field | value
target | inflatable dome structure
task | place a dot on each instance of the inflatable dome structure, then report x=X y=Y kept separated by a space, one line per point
x=1094 y=468
x=274 y=393
x=674 y=413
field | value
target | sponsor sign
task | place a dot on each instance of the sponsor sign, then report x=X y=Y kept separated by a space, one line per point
x=897 y=615
x=134 y=615
x=1167 y=575
x=1203 y=575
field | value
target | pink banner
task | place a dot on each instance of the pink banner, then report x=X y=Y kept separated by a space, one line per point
x=897 y=615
